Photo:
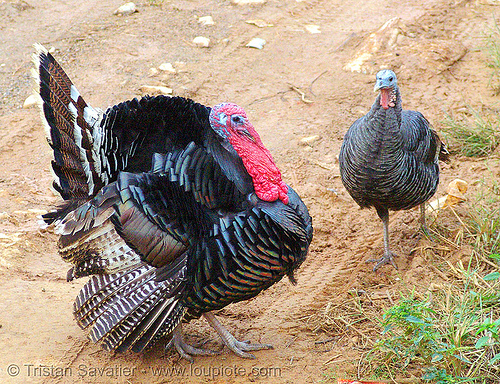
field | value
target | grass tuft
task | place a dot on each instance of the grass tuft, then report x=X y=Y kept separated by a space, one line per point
x=449 y=335
x=492 y=47
x=472 y=135
x=482 y=227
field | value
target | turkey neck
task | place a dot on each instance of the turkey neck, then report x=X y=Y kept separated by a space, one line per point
x=231 y=164
x=381 y=134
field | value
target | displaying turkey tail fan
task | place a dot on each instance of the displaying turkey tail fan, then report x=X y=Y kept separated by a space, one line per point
x=131 y=310
x=69 y=124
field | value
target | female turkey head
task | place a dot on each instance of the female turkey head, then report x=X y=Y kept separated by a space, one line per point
x=230 y=122
x=387 y=84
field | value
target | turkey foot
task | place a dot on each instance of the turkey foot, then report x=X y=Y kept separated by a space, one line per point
x=240 y=348
x=184 y=349
x=388 y=258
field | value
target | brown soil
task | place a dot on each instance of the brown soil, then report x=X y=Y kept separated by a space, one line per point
x=440 y=70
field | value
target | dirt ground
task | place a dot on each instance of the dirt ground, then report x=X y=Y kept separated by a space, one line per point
x=300 y=94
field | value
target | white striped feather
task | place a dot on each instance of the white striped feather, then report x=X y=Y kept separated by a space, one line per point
x=123 y=308
x=101 y=290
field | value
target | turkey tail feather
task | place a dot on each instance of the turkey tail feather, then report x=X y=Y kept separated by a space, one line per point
x=131 y=310
x=69 y=123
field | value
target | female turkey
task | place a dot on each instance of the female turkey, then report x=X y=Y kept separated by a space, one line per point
x=389 y=158
x=176 y=209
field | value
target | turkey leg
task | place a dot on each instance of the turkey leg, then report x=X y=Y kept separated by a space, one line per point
x=388 y=257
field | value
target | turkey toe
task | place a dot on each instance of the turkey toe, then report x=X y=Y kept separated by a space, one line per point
x=185 y=350
x=240 y=348
x=388 y=258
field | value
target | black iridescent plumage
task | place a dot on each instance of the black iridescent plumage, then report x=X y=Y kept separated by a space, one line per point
x=161 y=213
x=389 y=157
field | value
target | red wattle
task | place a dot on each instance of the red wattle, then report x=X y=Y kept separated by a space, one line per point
x=260 y=165
x=384 y=97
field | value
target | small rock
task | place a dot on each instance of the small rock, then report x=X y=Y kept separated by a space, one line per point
x=155 y=90
x=126 y=9
x=52 y=49
x=153 y=71
x=312 y=28
x=309 y=140
x=167 y=67
x=30 y=101
x=201 y=41
x=256 y=42
x=455 y=195
x=206 y=20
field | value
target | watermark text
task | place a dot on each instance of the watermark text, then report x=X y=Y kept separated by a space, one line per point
x=120 y=370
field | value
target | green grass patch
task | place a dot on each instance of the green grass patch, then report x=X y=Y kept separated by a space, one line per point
x=472 y=134
x=447 y=337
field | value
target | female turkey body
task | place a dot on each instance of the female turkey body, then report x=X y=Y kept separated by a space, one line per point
x=379 y=169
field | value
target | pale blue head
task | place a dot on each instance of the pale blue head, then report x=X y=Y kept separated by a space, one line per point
x=386 y=79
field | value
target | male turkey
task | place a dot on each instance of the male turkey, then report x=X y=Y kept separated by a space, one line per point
x=389 y=158
x=176 y=209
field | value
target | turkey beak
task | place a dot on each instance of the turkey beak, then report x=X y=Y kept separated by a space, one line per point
x=378 y=86
x=247 y=134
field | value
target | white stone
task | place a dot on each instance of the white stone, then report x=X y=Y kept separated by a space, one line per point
x=30 y=101
x=256 y=42
x=310 y=139
x=167 y=67
x=259 y=23
x=201 y=41
x=311 y=28
x=206 y=20
x=126 y=9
